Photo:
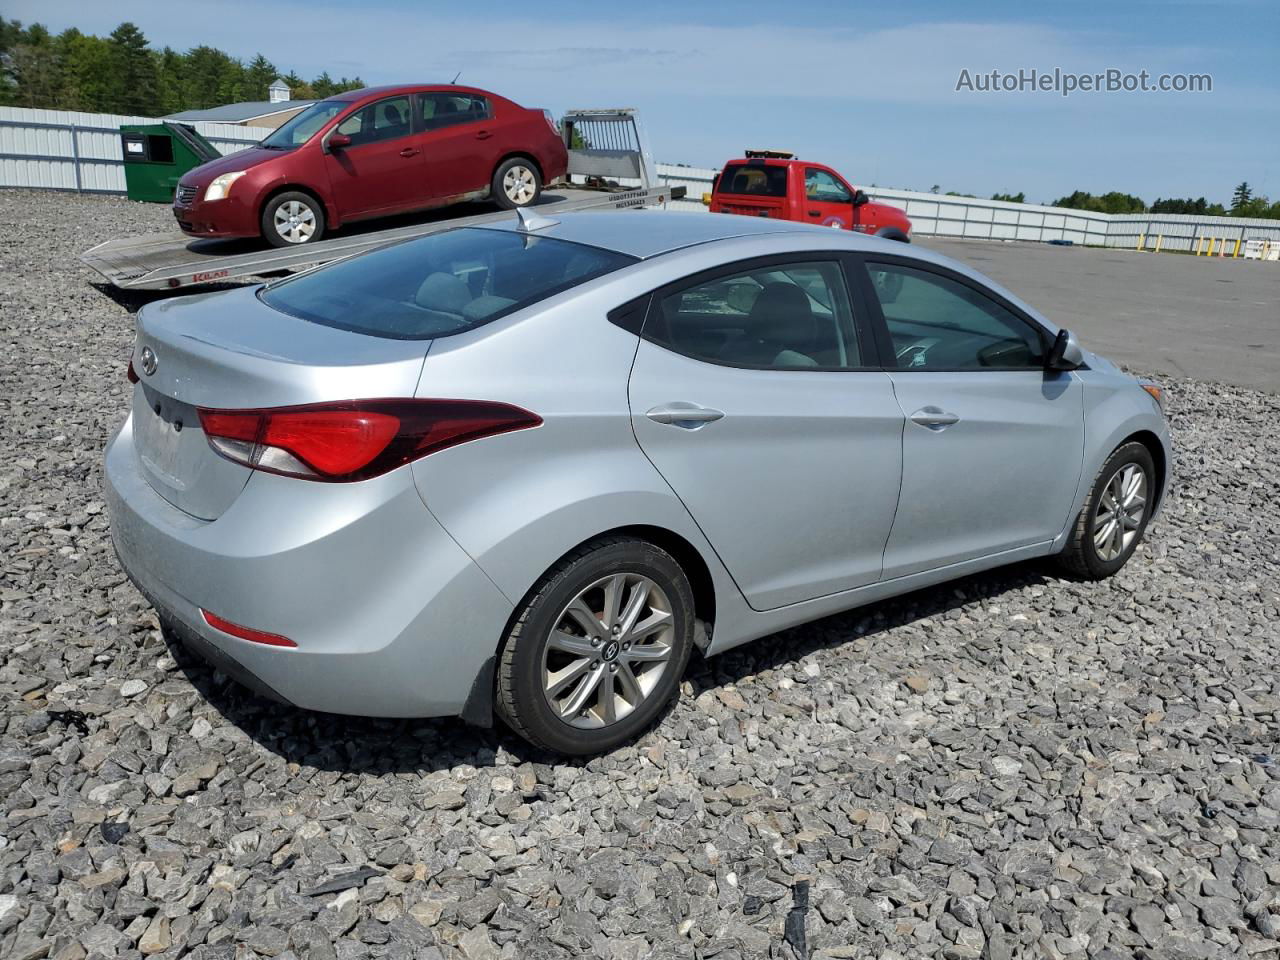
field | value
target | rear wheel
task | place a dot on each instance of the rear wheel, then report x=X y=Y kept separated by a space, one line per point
x=516 y=183
x=598 y=649
x=1114 y=517
x=292 y=218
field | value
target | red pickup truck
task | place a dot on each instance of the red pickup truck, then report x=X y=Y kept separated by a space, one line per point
x=770 y=183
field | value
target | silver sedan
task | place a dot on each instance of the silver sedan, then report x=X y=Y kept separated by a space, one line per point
x=526 y=470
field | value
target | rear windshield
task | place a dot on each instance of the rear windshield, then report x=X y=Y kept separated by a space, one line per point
x=754 y=180
x=440 y=284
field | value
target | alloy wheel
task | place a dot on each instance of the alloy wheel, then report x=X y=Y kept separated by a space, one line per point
x=1120 y=512
x=295 y=221
x=520 y=185
x=609 y=647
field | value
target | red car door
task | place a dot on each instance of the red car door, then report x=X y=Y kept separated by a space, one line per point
x=828 y=201
x=381 y=169
x=459 y=143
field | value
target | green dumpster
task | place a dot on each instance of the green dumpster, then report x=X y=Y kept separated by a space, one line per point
x=156 y=155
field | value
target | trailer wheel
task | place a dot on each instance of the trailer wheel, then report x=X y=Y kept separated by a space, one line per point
x=516 y=183
x=292 y=218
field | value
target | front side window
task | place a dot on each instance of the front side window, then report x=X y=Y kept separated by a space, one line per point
x=301 y=127
x=440 y=284
x=787 y=316
x=439 y=110
x=384 y=120
x=824 y=188
x=755 y=180
x=937 y=323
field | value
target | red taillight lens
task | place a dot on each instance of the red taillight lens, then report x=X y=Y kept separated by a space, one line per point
x=131 y=373
x=356 y=439
x=245 y=633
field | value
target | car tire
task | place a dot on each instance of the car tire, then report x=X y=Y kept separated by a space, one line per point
x=1114 y=516
x=571 y=678
x=294 y=214
x=516 y=183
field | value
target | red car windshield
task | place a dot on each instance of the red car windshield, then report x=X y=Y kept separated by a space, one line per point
x=298 y=129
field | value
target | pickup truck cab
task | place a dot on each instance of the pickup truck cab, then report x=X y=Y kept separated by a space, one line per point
x=774 y=184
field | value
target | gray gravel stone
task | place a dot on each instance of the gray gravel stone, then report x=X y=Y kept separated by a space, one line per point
x=1013 y=765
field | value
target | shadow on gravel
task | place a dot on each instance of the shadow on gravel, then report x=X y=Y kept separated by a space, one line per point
x=365 y=745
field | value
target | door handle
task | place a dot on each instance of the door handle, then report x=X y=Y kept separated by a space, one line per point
x=935 y=418
x=410 y=152
x=483 y=135
x=690 y=416
x=815 y=213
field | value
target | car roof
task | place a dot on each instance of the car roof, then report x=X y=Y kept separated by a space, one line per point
x=772 y=162
x=651 y=233
x=648 y=233
x=395 y=88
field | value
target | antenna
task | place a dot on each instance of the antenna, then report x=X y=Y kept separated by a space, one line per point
x=455 y=77
x=530 y=221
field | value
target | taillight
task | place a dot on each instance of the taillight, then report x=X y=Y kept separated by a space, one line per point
x=131 y=373
x=551 y=122
x=354 y=439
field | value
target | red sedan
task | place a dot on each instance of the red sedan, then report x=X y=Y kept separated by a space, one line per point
x=369 y=153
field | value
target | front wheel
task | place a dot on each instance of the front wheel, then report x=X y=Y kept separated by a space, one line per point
x=598 y=648
x=291 y=219
x=1114 y=517
x=516 y=183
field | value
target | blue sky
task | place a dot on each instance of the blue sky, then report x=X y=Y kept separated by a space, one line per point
x=869 y=88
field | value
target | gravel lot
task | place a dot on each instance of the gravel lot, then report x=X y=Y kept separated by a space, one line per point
x=1014 y=765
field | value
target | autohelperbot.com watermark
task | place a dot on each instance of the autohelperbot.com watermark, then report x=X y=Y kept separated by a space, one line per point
x=1065 y=82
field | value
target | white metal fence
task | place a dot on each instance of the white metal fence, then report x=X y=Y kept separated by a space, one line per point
x=61 y=150
x=971 y=217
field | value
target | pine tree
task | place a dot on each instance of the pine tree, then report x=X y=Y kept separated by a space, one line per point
x=170 y=68
x=11 y=34
x=132 y=86
x=258 y=76
x=1243 y=194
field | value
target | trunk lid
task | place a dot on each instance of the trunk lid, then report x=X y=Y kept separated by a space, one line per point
x=230 y=351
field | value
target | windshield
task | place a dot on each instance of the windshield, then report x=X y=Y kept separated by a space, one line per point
x=300 y=128
x=440 y=284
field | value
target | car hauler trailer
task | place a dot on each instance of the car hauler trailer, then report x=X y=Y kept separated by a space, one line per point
x=170 y=262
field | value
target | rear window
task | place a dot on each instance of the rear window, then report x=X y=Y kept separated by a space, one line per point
x=440 y=284
x=754 y=180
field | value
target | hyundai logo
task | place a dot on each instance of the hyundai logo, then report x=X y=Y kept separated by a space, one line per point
x=149 y=361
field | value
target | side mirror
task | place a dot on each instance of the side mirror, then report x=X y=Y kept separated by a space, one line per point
x=859 y=198
x=337 y=141
x=1065 y=354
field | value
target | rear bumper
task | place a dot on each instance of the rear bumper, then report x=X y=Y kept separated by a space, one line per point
x=390 y=616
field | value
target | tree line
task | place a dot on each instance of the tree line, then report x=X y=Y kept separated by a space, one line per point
x=1244 y=203
x=121 y=73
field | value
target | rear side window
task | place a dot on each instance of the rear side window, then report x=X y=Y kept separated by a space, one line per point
x=754 y=180
x=780 y=316
x=439 y=110
x=440 y=284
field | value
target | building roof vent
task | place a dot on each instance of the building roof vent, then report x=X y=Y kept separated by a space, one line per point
x=279 y=91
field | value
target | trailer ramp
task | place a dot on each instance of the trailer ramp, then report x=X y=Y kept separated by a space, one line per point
x=169 y=262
